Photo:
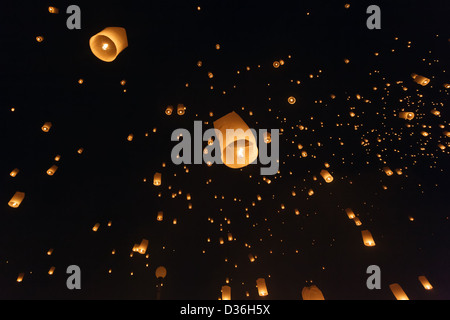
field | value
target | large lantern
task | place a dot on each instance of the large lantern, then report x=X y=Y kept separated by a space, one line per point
x=226 y=293
x=312 y=293
x=160 y=272
x=108 y=43
x=16 y=200
x=367 y=238
x=326 y=176
x=157 y=179
x=398 y=291
x=423 y=81
x=426 y=284
x=238 y=147
x=262 y=288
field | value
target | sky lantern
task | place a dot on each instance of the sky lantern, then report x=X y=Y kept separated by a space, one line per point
x=226 y=293
x=398 y=291
x=160 y=216
x=169 y=110
x=408 y=115
x=181 y=109
x=14 y=172
x=326 y=176
x=53 y=10
x=423 y=81
x=292 y=100
x=20 y=277
x=367 y=238
x=240 y=148
x=108 y=43
x=52 y=269
x=425 y=283
x=262 y=288
x=51 y=171
x=388 y=171
x=160 y=272
x=17 y=199
x=157 y=179
x=267 y=137
x=130 y=137
x=312 y=293
x=350 y=213
x=142 y=248
x=46 y=127
x=95 y=227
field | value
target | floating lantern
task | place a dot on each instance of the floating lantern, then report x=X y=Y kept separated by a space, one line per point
x=291 y=100
x=408 y=115
x=326 y=176
x=267 y=137
x=276 y=64
x=238 y=149
x=57 y=158
x=95 y=227
x=169 y=110
x=108 y=43
x=388 y=171
x=39 y=38
x=52 y=170
x=20 y=277
x=53 y=10
x=130 y=137
x=312 y=293
x=157 y=179
x=350 y=213
x=52 y=269
x=181 y=109
x=142 y=248
x=367 y=238
x=426 y=284
x=46 y=127
x=160 y=272
x=423 y=81
x=310 y=192
x=230 y=236
x=14 y=172
x=80 y=151
x=160 y=215
x=16 y=200
x=226 y=293
x=357 y=221
x=398 y=291
x=251 y=257
x=262 y=288
x=50 y=251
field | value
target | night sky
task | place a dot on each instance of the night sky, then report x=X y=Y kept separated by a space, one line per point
x=346 y=115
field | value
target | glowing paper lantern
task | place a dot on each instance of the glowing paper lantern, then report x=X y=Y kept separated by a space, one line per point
x=181 y=109
x=426 y=284
x=16 y=200
x=53 y=10
x=238 y=149
x=14 y=172
x=423 y=81
x=108 y=43
x=388 y=171
x=157 y=179
x=398 y=291
x=292 y=100
x=46 y=127
x=95 y=227
x=142 y=248
x=312 y=293
x=160 y=216
x=251 y=257
x=262 y=288
x=160 y=272
x=408 y=115
x=20 y=277
x=350 y=213
x=267 y=137
x=226 y=293
x=52 y=170
x=326 y=176
x=169 y=110
x=130 y=137
x=52 y=269
x=367 y=238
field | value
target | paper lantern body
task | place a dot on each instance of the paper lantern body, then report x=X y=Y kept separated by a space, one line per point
x=398 y=291
x=423 y=81
x=160 y=272
x=326 y=176
x=157 y=179
x=226 y=293
x=426 y=284
x=312 y=293
x=367 y=238
x=239 y=147
x=108 y=43
x=262 y=288
x=16 y=200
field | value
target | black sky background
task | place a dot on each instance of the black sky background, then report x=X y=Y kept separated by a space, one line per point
x=166 y=39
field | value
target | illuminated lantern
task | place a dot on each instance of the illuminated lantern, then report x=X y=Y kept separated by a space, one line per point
x=52 y=170
x=130 y=137
x=251 y=257
x=441 y=146
x=357 y=221
x=406 y=115
x=52 y=269
x=157 y=179
x=388 y=171
x=424 y=133
x=350 y=213
x=16 y=200
x=312 y=293
x=226 y=293
x=398 y=291
x=326 y=176
x=39 y=38
x=95 y=227
x=310 y=192
x=435 y=112
x=221 y=240
x=46 y=127
x=108 y=43
x=447 y=85
x=399 y=171
x=57 y=158
x=181 y=109
x=291 y=100
x=80 y=151
x=142 y=248
x=267 y=137
x=14 y=172
x=426 y=284
x=423 y=81
x=53 y=10
x=261 y=285
x=230 y=236
x=50 y=251
x=20 y=277
x=239 y=148
x=160 y=272
x=159 y=217
x=188 y=196
x=326 y=164
x=367 y=238
x=169 y=110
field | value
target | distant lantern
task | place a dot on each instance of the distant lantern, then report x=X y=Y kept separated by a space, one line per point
x=327 y=165
x=16 y=200
x=357 y=221
x=226 y=293
x=310 y=192
x=169 y=110
x=347 y=61
x=312 y=293
x=435 y=112
x=50 y=251
x=52 y=170
x=80 y=151
x=350 y=213
x=446 y=85
x=276 y=64
x=367 y=238
x=230 y=236
x=52 y=269
x=53 y=10
x=130 y=137
x=262 y=288
x=39 y=38
x=326 y=176
x=95 y=227
x=108 y=43
x=14 y=172
x=388 y=171
x=181 y=109
x=57 y=158
x=160 y=216
x=238 y=149
x=398 y=291
x=267 y=137
x=160 y=272
x=291 y=100
x=426 y=284
x=423 y=81
x=399 y=171
x=20 y=277
x=142 y=248
x=408 y=115
x=157 y=179
x=46 y=127
x=221 y=240
x=251 y=257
